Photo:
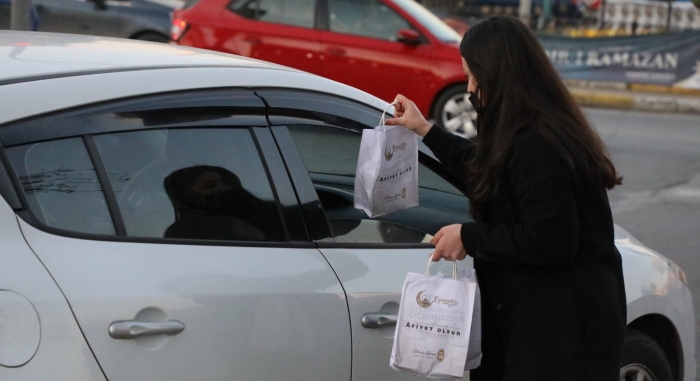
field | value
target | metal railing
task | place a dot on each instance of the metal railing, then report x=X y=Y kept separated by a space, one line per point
x=585 y=18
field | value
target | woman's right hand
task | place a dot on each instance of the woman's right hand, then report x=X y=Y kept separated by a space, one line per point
x=406 y=114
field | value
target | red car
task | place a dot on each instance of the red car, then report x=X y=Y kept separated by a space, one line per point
x=383 y=47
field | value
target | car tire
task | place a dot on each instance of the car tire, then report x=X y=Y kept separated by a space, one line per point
x=643 y=359
x=453 y=111
x=151 y=36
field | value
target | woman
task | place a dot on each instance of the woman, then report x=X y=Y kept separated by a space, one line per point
x=553 y=298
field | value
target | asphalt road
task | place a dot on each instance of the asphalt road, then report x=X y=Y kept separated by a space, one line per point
x=659 y=201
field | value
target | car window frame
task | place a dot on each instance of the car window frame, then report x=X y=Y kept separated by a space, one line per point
x=8 y=188
x=46 y=127
x=289 y=107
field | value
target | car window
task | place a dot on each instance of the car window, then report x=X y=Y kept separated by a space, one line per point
x=61 y=186
x=334 y=151
x=191 y=184
x=431 y=180
x=367 y=18
x=290 y=12
x=330 y=157
x=436 y=26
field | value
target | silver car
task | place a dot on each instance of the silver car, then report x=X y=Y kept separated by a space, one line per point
x=174 y=214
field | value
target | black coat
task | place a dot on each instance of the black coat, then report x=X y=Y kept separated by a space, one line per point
x=553 y=297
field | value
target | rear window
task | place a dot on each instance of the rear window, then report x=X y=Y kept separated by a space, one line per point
x=61 y=186
x=197 y=184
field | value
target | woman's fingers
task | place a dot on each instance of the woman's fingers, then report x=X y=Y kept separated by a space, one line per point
x=448 y=244
x=399 y=110
x=394 y=121
x=399 y=103
x=436 y=237
x=407 y=114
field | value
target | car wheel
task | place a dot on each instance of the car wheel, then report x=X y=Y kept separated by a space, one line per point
x=155 y=37
x=453 y=111
x=643 y=359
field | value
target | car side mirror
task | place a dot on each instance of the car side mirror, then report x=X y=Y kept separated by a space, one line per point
x=408 y=37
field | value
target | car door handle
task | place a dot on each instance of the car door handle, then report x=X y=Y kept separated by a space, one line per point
x=253 y=40
x=130 y=329
x=375 y=320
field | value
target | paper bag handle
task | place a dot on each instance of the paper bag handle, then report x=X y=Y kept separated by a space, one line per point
x=454 y=268
x=381 y=120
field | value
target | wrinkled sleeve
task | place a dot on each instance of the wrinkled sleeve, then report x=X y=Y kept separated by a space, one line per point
x=452 y=151
x=547 y=231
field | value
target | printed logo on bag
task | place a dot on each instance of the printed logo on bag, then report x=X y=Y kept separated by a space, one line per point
x=424 y=354
x=423 y=300
x=388 y=153
x=419 y=314
x=441 y=355
x=389 y=150
x=447 y=302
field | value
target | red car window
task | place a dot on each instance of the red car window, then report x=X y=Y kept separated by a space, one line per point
x=290 y=12
x=368 y=18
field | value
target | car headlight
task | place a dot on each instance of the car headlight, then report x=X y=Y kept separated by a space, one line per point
x=675 y=269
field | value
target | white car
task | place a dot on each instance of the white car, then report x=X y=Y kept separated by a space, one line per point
x=174 y=214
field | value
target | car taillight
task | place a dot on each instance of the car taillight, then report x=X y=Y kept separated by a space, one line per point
x=177 y=29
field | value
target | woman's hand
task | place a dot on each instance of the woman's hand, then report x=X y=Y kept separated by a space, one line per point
x=448 y=244
x=407 y=115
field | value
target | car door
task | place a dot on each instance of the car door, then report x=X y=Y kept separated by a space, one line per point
x=171 y=226
x=39 y=338
x=95 y=17
x=321 y=134
x=360 y=49
x=279 y=31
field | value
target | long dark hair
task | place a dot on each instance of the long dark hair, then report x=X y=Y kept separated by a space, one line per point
x=519 y=87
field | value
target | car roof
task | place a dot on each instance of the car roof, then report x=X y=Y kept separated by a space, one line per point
x=28 y=55
x=59 y=71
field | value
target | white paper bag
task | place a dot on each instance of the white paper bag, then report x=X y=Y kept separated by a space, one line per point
x=474 y=353
x=386 y=179
x=434 y=325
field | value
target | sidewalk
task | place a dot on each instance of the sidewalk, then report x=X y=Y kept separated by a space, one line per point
x=635 y=97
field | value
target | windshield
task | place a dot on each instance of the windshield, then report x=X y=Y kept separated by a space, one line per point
x=438 y=28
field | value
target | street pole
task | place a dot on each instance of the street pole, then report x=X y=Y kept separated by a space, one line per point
x=668 y=16
x=524 y=11
x=19 y=15
x=545 y=15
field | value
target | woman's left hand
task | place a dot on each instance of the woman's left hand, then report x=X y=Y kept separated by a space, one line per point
x=448 y=244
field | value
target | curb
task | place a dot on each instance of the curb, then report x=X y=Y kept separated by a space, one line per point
x=662 y=89
x=639 y=102
x=588 y=98
x=634 y=87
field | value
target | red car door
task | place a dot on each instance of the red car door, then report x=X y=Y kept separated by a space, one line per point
x=279 y=31
x=361 y=49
